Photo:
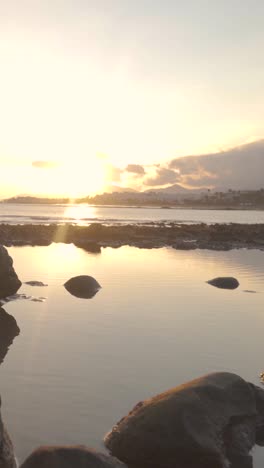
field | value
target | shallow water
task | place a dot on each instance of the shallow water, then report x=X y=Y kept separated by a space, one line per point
x=79 y=365
x=84 y=214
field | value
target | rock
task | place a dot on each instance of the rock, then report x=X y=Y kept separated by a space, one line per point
x=9 y=282
x=70 y=457
x=88 y=246
x=82 y=286
x=205 y=423
x=7 y=457
x=35 y=283
x=8 y=331
x=224 y=282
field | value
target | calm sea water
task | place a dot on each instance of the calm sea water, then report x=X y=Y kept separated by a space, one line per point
x=87 y=214
x=79 y=365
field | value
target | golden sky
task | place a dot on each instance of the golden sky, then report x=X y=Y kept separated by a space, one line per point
x=89 y=87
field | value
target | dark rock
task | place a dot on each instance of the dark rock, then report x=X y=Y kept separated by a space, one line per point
x=70 y=457
x=224 y=282
x=206 y=423
x=88 y=246
x=82 y=286
x=7 y=457
x=8 y=331
x=9 y=282
x=35 y=283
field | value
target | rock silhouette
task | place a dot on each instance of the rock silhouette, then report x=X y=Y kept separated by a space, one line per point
x=7 y=457
x=70 y=457
x=9 y=282
x=8 y=331
x=211 y=422
x=224 y=282
x=35 y=283
x=82 y=286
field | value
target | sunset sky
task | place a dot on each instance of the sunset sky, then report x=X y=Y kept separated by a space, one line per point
x=95 y=92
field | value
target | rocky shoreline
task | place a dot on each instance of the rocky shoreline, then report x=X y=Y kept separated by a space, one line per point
x=150 y=235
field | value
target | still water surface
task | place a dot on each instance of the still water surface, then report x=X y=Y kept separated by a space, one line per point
x=79 y=365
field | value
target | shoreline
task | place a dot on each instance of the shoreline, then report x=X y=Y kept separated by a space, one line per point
x=152 y=235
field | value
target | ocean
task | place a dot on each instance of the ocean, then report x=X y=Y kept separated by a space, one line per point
x=79 y=365
x=86 y=214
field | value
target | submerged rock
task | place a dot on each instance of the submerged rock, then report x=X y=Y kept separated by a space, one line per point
x=209 y=422
x=224 y=282
x=35 y=283
x=88 y=246
x=82 y=286
x=70 y=457
x=9 y=282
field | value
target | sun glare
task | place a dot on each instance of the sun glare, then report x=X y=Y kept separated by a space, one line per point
x=70 y=179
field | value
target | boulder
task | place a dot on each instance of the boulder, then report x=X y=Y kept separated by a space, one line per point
x=210 y=422
x=8 y=331
x=224 y=282
x=9 y=282
x=82 y=286
x=7 y=457
x=70 y=457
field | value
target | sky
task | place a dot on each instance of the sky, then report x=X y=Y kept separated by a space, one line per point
x=91 y=88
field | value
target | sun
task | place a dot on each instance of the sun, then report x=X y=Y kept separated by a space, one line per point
x=72 y=179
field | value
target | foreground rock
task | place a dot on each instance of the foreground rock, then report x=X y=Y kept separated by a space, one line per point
x=82 y=286
x=224 y=282
x=7 y=457
x=8 y=331
x=70 y=457
x=9 y=282
x=206 y=423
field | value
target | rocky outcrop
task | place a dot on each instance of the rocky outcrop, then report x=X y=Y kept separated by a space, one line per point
x=212 y=421
x=82 y=286
x=9 y=282
x=70 y=457
x=8 y=331
x=149 y=235
x=224 y=282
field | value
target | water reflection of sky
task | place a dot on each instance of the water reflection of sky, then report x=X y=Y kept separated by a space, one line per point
x=154 y=324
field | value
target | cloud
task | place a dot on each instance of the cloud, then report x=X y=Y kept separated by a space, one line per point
x=241 y=167
x=44 y=164
x=162 y=176
x=135 y=169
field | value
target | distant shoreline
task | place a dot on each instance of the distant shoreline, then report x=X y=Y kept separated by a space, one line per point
x=157 y=207
x=152 y=235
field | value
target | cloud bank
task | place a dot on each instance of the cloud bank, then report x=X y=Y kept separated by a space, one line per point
x=238 y=168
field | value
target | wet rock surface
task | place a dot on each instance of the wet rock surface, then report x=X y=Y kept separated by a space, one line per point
x=82 y=286
x=70 y=457
x=211 y=422
x=149 y=235
x=9 y=282
x=224 y=282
